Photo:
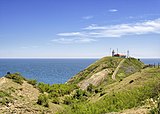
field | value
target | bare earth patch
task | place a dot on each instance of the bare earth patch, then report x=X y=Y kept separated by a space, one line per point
x=95 y=79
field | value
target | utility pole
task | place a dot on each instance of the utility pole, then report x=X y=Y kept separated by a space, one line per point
x=127 y=53
x=110 y=52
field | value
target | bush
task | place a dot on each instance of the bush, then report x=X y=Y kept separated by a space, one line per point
x=56 y=90
x=4 y=97
x=43 y=100
x=16 y=77
x=3 y=94
x=102 y=93
x=5 y=100
x=98 y=90
x=90 y=88
x=54 y=94
x=43 y=87
x=55 y=100
x=68 y=100
x=32 y=82
x=79 y=93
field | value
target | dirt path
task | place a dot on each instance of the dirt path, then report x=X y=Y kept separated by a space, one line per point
x=95 y=79
x=115 y=72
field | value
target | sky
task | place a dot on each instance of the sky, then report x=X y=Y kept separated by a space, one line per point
x=79 y=28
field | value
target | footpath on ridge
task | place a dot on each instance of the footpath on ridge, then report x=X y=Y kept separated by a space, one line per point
x=97 y=78
x=117 y=69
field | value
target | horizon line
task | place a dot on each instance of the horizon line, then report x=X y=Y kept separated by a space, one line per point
x=70 y=57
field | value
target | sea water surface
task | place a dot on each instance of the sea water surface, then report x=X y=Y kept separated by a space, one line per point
x=50 y=70
x=45 y=70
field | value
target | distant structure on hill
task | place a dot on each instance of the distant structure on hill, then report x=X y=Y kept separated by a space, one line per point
x=120 y=55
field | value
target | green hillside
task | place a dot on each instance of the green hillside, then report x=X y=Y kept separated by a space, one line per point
x=138 y=92
x=107 y=62
x=102 y=70
x=110 y=85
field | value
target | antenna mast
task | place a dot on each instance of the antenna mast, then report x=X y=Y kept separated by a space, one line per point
x=127 y=53
x=110 y=53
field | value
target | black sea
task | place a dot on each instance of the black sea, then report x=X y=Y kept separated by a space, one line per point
x=45 y=70
x=50 y=70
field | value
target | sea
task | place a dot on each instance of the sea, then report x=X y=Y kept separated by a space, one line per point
x=50 y=71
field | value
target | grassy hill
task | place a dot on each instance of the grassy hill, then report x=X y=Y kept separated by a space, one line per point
x=105 y=63
x=110 y=85
x=102 y=70
x=138 y=92
x=19 y=95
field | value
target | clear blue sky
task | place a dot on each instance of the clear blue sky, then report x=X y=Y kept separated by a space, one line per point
x=79 y=28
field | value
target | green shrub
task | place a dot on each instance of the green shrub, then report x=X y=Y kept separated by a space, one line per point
x=4 y=97
x=5 y=100
x=43 y=87
x=98 y=90
x=78 y=94
x=32 y=82
x=55 y=100
x=43 y=100
x=90 y=88
x=56 y=90
x=68 y=100
x=54 y=94
x=81 y=95
x=16 y=77
x=3 y=94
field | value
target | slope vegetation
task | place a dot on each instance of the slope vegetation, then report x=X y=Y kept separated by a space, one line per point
x=137 y=93
x=104 y=69
x=109 y=63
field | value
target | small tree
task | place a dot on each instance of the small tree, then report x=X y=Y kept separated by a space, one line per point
x=43 y=100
